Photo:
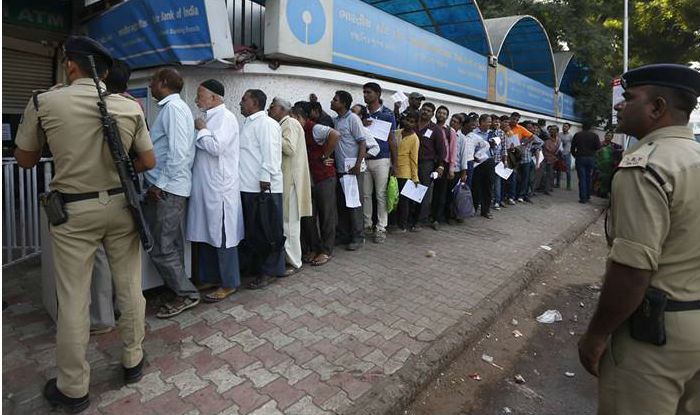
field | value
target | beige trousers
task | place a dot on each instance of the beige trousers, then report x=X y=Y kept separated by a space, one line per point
x=292 y=231
x=74 y=244
x=641 y=378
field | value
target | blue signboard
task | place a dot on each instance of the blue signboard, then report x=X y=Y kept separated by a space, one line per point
x=567 y=107
x=517 y=90
x=155 y=32
x=367 y=39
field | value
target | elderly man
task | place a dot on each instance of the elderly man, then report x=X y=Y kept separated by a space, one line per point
x=215 y=218
x=260 y=171
x=296 y=197
x=169 y=186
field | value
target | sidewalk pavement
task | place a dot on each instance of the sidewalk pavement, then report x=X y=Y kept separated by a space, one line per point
x=358 y=335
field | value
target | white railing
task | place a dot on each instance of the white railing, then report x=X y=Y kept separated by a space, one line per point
x=20 y=213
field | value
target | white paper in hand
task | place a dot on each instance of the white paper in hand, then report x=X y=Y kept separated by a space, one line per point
x=380 y=129
x=503 y=171
x=402 y=98
x=351 y=190
x=540 y=158
x=414 y=191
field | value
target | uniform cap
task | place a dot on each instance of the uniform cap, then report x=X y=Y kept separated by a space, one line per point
x=214 y=86
x=664 y=74
x=83 y=45
x=416 y=95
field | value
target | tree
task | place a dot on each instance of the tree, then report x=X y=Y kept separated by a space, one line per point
x=660 y=31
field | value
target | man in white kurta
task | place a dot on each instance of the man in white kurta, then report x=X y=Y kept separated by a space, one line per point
x=215 y=218
x=296 y=197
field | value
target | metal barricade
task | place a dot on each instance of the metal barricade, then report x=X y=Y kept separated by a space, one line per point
x=20 y=213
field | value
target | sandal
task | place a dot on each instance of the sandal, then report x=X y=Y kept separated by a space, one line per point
x=309 y=258
x=175 y=307
x=321 y=259
x=218 y=295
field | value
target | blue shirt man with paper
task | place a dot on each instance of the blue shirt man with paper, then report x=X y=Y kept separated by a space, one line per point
x=380 y=166
x=351 y=150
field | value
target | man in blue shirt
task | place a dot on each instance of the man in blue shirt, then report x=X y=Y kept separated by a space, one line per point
x=349 y=160
x=379 y=166
x=168 y=187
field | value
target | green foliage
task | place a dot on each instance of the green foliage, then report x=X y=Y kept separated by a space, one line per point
x=660 y=31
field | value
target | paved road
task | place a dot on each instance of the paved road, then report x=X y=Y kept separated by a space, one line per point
x=541 y=356
x=332 y=339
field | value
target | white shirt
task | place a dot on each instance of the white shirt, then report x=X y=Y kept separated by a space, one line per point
x=465 y=153
x=261 y=153
x=472 y=140
x=215 y=202
x=481 y=149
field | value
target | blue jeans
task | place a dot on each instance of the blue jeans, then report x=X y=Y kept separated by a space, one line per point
x=470 y=173
x=524 y=173
x=219 y=265
x=497 y=189
x=584 y=169
x=511 y=186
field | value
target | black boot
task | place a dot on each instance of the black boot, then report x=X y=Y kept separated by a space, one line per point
x=56 y=398
x=134 y=374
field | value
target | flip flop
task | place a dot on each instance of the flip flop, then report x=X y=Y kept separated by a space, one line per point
x=218 y=295
x=321 y=259
x=309 y=258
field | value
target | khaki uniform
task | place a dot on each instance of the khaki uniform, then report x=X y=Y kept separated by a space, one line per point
x=68 y=119
x=655 y=225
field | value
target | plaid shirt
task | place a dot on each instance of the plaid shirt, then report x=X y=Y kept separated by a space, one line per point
x=499 y=151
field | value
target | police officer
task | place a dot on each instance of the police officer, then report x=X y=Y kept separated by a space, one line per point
x=643 y=342
x=68 y=120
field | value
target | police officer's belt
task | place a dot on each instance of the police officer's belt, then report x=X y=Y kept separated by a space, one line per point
x=682 y=305
x=75 y=197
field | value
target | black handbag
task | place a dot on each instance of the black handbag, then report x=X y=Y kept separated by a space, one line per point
x=268 y=236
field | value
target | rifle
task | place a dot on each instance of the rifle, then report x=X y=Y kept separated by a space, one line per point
x=125 y=167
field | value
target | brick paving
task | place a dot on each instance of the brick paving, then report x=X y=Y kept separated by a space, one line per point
x=314 y=343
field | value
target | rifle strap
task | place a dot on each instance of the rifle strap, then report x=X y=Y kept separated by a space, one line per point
x=35 y=101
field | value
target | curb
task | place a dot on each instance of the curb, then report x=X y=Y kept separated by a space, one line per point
x=390 y=395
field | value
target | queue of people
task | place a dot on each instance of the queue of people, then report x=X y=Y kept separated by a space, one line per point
x=291 y=183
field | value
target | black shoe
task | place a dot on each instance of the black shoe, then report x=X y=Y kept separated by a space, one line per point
x=527 y=200
x=56 y=398
x=581 y=201
x=259 y=283
x=134 y=374
x=355 y=245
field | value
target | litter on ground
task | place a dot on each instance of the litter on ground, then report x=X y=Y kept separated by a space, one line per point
x=549 y=316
